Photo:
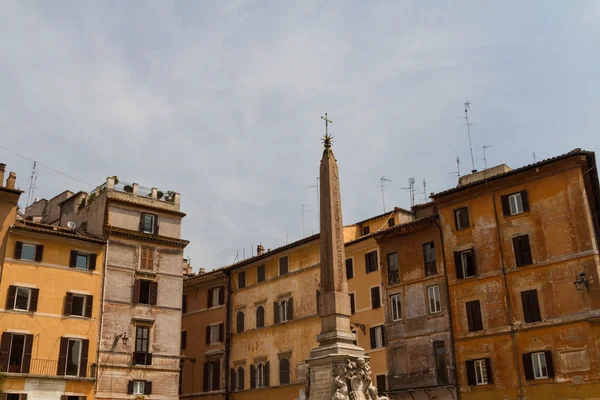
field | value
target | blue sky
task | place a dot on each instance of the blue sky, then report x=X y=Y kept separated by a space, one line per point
x=221 y=100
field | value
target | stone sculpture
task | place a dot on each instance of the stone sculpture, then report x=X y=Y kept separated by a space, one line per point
x=362 y=388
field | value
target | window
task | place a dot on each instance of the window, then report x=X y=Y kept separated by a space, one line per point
x=391 y=222
x=16 y=352
x=461 y=217
x=283 y=311
x=184 y=304
x=392 y=263
x=214 y=333
x=81 y=260
x=78 y=305
x=352 y=304
x=142 y=353
x=538 y=365
x=145 y=292
x=396 y=307
x=22 y=297
x=216 y=296
x=434 y=299
x=241 y=279
x=380 y=379
x=481 y=372
x=531 y=306
x=139 y=387
x=375 y=297
x=240 y=378
x=26 y=251
x=429 y=259
x=259 y=376
x=149 y=224
x=366 y=230
x=465 y=263
x=355 y=336
x=147 y=258
x=14 y=396
x=17 y=348
x=183 y=340
x=261 y=276
x=260 y=316
x=283 y=265
x=522 y=250
x=212 y=375
x=239 y=322
x=284 y=371
x=377 y=339
x=474 y=316
x=371 y=261
x=516 y=203
x=349 y=268
x=73 y=357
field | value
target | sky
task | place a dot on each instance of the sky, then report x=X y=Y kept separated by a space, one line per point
x=221 y=101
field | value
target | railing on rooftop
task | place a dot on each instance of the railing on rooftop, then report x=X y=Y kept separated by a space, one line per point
x=421 y=379
x=43 y=367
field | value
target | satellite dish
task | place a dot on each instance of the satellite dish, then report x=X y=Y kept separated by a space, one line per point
x=71 y=225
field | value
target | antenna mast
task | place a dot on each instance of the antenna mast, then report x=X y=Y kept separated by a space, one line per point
x=485 y=147
x=457 y=172
x=424 y=191
x=318 y=203
x=467 y=104
x=411 y=189
x=32 y=181
x=534 y=161
x=382 y=182
x=304 y=211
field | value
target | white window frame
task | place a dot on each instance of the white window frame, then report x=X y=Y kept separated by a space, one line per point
x=515 y=202
x=463 y=262
x=139 y=387
x=379 y=337
x=28 y=290
x=82 y=307
x=538 y=360
x=216 y=294
x=481 y=372
x=153 y=226
x=433 y=293
x=213 y=329
x=396 y=307
x=283 y=317
x=78 y=358
x=28 y=245
x=10 y=351
x=260 y=375
x=458 y=220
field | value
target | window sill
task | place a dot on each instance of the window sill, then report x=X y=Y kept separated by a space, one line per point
x=145 y=271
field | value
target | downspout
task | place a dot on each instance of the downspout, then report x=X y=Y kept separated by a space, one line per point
x=452 y=344
x=100 y=318
x=513 y=333
x=228 y=336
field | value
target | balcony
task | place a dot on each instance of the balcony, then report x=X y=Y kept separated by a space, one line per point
x=421 y=379
x=41 y=367
x=393 y=277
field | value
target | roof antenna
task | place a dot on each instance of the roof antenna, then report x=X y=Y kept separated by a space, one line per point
x=457 y=172
x=467 y=104
x=424 y=191
x=382 y=182
x=485 y=147
x=32 y=181
x=411 y=189
x=534 y=161
x=304 y=211
x=318 y=203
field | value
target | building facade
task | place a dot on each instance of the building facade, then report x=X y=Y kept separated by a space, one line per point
x=203 y=336
x=522 y=253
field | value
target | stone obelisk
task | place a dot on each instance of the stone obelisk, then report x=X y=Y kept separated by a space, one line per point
x=336 y=340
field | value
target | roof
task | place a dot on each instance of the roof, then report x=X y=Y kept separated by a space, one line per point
x=71 y=197
x=396 y=209
x=13 y=191
x=146 y=236
x=36 y=227
x=404 y=227
x=575 y=152
x=422 y=205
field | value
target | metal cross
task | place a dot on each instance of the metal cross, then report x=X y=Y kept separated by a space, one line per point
x=327 y=122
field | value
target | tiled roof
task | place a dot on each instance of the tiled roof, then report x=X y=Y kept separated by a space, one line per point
x=46 y=229
x=572 y=153
x=406 y=226
x=396 y=209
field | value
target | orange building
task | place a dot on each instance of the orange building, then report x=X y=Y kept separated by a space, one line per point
x=522 y=253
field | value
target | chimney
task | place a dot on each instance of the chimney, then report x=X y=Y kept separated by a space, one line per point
x=2 y=169
x=260 y=250
x=10 y=182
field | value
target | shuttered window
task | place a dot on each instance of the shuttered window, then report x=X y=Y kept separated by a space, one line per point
x=377 y=337
x=241 y=280
x=147 y=259
x=284 y=371
x=479 y=372
x=375 y=297
x=283 y=265
x=31 y=252
x=474 y=320
x=261 y=275
x=531 y=306
x=392 y=265
x=461 y=218
x=429 y=259
x=538 y=365
x=260 y=316
x=371 y=264
x=145 y=292
x=352 y=304
x=396 y=307
x=366 y=230
x=349 y=268
x=522 y=250
x=239 y=322
x=464 y=262
x=515 y=203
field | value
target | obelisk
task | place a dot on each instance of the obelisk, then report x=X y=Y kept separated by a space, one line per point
x=336 y=340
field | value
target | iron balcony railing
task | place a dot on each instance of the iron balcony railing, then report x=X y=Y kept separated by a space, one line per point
x=42 y=367
x=421 y=379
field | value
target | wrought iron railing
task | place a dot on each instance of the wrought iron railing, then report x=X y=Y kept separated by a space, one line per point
x=421 y=379
x=43 y=367
x=393 y=277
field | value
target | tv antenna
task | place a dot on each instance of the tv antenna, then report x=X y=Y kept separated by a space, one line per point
x=485 y=147
x=32 y=181
x=382 y=182
x=411 y=189
x=467 y=105
x=424 y=191
x=318 y=203
x=457 y=172
x=304 y=211
x=534 y=161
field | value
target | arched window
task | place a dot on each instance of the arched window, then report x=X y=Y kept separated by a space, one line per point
x=260 y=375
x=239 y=322
x=284 y=371
x=260 y=316
x=283 y=310
x=240 y=379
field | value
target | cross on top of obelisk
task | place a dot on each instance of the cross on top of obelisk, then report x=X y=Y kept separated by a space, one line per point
x=327 y=139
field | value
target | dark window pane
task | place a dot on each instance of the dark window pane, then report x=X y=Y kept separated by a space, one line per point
x=349 y=268
x=78 y=305
x=366 y=230
x=283 y=265
x=82 y=261
x=73 y=357
x=16 y=353
x=352 y=304
x=28 y=252
x=145 y=291
x=261 y=273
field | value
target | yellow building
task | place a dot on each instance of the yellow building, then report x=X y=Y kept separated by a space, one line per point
x=273 y=311
x=51 y=280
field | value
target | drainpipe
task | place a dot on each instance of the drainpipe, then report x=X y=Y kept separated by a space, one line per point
x=100 y=318
x=513 y=333
x=228 y=336
x=452 y=344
